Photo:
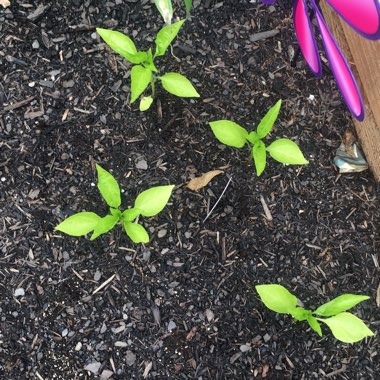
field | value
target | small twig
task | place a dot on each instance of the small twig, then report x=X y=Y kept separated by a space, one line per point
x=39 y=376
x=105 y=283
x=221 y=195
x=267 y=212
x=18 y=104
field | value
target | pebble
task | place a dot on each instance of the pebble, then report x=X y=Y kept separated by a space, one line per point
x=78 y=346
x=121 y=344
x=93 y=367
x=68 y=83
x=130 y=358
x=267 y=338
x=106 y=374
x=142 y=164
x=162 y=233
x=19 y=292
x=65 y=332
x=171 y=326
x=35 y=44
x=97 y=276
x=245 y=348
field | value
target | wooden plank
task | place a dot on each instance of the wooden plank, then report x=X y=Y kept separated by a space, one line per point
x=364 y=58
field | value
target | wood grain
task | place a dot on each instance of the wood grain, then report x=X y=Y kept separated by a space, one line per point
x=364 y=58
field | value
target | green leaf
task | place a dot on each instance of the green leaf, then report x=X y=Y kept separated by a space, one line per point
x=286 y=152
x=229 y=133
x=165 y=37
x=314 y=324
x=253 y=138
x=277 y=298
x=130 y=214
x=140 y=79
x=104 y=225
x=145 y=103
x=122 y=45
x=347 y=328
x=339 y=304
x=149 y=64
x=108 y=187
x=115 y=212
x=178 y=85
x=266 y=123
x=259 y=155
x=299 y=313
x=136 y=232
x=79 y=224
x=166 y=9
x=150 y=202
x=188 y=5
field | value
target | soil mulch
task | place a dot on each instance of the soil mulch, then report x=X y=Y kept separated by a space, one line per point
x=184 y=305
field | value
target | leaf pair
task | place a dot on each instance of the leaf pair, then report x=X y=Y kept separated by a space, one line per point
x=148 y=203
x=144 y=71
x=165 y=7
x=345 y=326
x=281 y=150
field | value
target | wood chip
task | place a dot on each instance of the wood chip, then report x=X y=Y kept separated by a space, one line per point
x=267 y=212
x=5 y=3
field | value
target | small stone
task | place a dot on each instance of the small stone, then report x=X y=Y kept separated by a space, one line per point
x=97 y=276
x=35 y=44
x=267 y=338
x=209 y=315
x=68 y=84
x=171 y=326
x=142 y=164
x=65 y=332
x=93 y=367
x=106 y=374
x=162 y=233
x=78 y=346
x=20 y=292
x=121 y=344
x=245 y=348
x=130 y=358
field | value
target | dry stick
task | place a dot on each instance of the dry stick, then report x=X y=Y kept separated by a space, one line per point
x=267 y=212
x=105 y=283
x=17 y=105
x=221 y=195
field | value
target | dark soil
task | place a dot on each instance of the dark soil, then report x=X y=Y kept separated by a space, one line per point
x=184 y=305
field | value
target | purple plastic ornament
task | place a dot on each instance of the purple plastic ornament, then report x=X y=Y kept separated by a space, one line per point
x=362 y=15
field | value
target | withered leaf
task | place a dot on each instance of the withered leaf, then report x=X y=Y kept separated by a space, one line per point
x=202 y=181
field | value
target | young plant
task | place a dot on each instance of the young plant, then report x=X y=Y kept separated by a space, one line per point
x=165 y=7
x=144 y=73
x=148 y=203
x=345 y=326
x=281 y=150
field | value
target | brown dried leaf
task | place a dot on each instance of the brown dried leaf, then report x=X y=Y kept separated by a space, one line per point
x=5 y=3
x=202 y=181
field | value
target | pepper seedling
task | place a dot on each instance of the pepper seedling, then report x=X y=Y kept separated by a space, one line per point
x=345 y=326
x=148 y=203
x=144 y=72
x=282 y=150
x=165 y=7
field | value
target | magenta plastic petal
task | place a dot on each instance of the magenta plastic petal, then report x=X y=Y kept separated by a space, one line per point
x=305 y=36
x=361 y=15
x=342 y=72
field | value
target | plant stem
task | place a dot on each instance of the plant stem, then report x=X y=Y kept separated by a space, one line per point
x=152 y=84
